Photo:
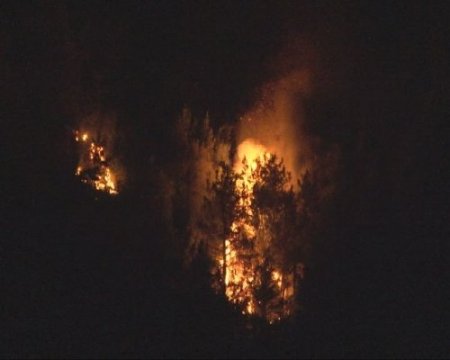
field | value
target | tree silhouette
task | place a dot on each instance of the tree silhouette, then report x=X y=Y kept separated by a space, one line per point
x=223 y=205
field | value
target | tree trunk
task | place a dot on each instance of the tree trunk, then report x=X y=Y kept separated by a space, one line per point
x=224 y=267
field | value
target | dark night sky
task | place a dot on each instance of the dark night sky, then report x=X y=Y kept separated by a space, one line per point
x=381 y=94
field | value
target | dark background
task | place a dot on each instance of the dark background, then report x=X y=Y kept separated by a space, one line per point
x=83 y=275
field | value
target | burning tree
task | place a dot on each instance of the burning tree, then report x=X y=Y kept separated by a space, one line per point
x=248 y=217
x=251 y=231
x=93 y=167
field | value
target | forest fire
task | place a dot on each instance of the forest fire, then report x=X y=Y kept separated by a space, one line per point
x=93 y=168
x=255 y=275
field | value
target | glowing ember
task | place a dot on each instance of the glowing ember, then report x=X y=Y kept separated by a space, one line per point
x=93 y=168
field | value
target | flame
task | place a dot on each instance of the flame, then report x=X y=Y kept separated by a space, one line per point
x=93 y=168
x=83 y=137
x=241 y=267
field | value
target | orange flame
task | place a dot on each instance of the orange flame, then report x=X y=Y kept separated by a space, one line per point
x=94 y=160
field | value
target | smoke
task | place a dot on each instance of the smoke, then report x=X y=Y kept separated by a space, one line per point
x=278 y=120
x=275 y=122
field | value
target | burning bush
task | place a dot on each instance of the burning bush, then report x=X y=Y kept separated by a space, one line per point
x=97 y=166
x=93 y=168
